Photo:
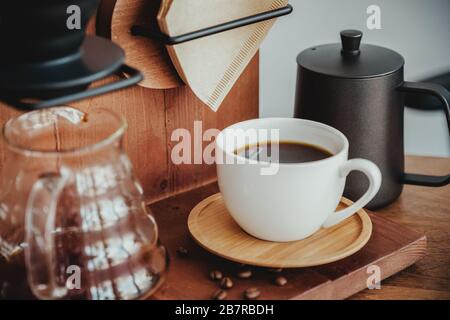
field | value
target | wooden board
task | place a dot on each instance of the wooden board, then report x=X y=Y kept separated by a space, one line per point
x=115 y=19
x=392 y=247
x=211 y=65
x=212 y=227
x=426 y=210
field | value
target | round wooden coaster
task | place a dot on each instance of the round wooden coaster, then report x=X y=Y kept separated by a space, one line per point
x=214 y=229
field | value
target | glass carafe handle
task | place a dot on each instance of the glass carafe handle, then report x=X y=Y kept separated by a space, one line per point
x=40 y=254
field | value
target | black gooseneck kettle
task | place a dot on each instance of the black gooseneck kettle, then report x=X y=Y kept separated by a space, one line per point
x=360 y=90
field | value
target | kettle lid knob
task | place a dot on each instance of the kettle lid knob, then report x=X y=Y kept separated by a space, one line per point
x=351 y=41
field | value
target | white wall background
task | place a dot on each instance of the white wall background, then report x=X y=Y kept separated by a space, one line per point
x=418 y=29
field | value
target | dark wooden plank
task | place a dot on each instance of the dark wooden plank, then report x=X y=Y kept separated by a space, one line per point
x=392 y=247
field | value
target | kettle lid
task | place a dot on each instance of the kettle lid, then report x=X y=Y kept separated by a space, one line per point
x=350 y=59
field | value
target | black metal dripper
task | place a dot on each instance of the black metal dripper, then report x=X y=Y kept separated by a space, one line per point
x=45 y=63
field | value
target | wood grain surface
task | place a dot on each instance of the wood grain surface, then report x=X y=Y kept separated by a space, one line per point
x=153 y=116
x=115 y=19
x=426 y=210
x=212 y=227
x=392 y=247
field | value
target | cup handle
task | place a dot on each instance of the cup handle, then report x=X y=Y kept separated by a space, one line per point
x=40 y=218
x=373 y=173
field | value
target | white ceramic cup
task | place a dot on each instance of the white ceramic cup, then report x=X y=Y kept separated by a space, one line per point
x=298 y=199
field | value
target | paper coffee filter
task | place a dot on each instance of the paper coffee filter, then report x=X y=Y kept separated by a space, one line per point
x=211 y=65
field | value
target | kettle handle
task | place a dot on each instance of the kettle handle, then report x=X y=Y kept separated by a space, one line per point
x=443 y=95
x=40 y=223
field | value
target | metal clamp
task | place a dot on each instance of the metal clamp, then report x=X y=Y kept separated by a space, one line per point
x=133 y=76
x=242 y=22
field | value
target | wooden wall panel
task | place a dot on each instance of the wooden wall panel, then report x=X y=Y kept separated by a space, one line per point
x=152 y=116
x=145 y=140
x=183 y=109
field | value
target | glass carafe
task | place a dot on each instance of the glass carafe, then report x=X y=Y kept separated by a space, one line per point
x=72 y=212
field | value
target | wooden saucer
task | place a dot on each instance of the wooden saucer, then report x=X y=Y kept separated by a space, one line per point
x=214 y=229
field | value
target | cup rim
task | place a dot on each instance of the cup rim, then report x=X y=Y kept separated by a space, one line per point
x=330 y=129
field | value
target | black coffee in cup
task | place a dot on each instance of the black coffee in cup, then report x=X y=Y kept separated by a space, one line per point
x=288 y=152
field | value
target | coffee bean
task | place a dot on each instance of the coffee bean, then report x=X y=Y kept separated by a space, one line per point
x=215 y=275
x=182 y=252
x=244 y=273
x=226 y=283
x=280 y=281
x=275 y=270
x=219 y=295
x=164 y=184
x=252 y=294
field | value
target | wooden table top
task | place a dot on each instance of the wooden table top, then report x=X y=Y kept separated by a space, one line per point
x=425 y=210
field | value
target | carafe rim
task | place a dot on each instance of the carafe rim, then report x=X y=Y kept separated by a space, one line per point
x=116 y=135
